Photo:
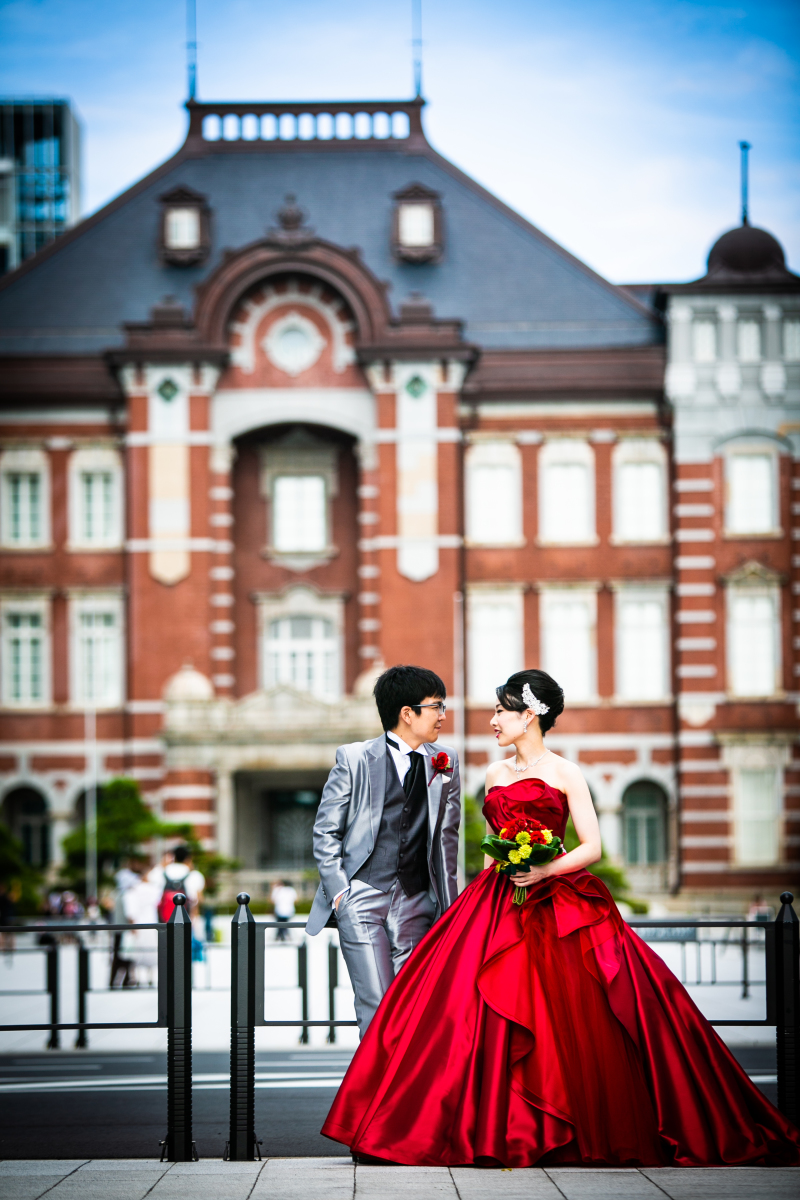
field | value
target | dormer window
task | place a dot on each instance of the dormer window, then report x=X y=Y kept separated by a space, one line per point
x=417 y=226
x=182 y=229
x=185 y=228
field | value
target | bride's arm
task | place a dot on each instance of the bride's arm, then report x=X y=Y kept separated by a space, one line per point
x=584 y=818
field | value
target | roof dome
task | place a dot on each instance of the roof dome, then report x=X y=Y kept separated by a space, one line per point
x=747 y=251
x=188 y=684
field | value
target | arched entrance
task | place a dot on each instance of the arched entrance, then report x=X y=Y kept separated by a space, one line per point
x=644 y=816
x=25 y=813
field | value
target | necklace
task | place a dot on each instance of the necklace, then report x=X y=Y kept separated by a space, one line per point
x=527 y=766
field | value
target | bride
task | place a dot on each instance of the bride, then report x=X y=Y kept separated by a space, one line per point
x=546 y=1033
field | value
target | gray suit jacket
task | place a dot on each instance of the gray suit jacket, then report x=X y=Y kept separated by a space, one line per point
x=349 y=817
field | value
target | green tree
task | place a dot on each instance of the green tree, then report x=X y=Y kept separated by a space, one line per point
x=124 y=825
x=19 y=879
x=474 y=832
x=612 y=876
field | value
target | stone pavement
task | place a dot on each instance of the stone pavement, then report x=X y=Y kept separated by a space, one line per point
x=338 y=1179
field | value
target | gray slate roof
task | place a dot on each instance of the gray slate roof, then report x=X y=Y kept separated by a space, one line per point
x=512 y=286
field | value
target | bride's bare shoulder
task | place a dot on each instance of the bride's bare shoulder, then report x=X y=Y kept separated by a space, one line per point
x=568 y=772
x=495 y=772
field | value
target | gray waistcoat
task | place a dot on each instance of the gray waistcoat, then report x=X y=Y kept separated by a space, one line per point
x=403 y=830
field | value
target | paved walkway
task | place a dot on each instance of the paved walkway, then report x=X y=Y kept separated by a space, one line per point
x=337 y=1179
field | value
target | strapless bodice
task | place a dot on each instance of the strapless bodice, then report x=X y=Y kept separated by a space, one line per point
x=527 y=798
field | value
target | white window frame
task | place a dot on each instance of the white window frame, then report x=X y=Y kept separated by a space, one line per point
x=300 y=601
x=275 y=509
x=791 y=339
x=299 y=453
x=26 y=603
x=639 y=450
x=748 y=449
x=178 y=234
x=753 y=590
x=697 y=357
x=25 y=461
x=481 y=691
x=558 y=452
x=411 y=225
x=655 y=593
x=740 y=838
x=81 y=602
x=746 y=322
x=549 y=597
x=507 y=516
x=95 y=460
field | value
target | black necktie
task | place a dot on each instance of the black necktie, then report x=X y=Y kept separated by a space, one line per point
x=415 y=775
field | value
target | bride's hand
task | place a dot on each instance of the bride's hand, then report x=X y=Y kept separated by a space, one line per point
x=531 y=876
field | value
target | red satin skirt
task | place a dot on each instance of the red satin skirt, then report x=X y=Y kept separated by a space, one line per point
x=548 y=1034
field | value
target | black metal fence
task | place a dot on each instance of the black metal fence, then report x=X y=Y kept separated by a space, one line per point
x=174 y=1013
x=781 y=941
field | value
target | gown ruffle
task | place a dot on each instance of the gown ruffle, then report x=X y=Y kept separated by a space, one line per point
x=547 y=1034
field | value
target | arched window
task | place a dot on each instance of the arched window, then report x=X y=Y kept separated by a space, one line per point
x=25 y=813
x=644 y=808
x=303 y=651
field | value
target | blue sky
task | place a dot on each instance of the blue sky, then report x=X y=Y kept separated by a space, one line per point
x=613 y=126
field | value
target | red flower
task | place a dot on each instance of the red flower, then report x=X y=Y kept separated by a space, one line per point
x=440 y=763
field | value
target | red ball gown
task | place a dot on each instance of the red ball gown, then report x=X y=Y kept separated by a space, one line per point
x=549 y=1034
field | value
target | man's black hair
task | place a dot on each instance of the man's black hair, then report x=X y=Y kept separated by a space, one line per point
x=181 y=853
x=401 y=686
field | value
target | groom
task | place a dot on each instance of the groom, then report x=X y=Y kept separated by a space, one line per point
x=386 y=836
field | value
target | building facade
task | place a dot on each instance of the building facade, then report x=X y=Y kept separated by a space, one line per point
x=40 y=181
x=307 y=401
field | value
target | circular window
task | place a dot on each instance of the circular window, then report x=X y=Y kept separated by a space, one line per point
x=293 y=343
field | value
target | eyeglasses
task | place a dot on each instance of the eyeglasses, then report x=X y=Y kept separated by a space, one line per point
x=442 y=707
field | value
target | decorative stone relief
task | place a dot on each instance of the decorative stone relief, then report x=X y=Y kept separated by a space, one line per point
x=251 y=314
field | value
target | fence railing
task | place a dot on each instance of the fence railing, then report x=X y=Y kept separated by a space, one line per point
x=174 y=1013
x=781 y=941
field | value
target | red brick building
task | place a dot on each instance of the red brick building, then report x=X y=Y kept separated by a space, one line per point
x=307 y=400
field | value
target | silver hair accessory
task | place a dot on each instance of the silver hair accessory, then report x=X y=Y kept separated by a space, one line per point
x=530 y=701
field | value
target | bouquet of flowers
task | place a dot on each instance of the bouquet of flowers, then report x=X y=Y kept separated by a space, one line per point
x=522 y=844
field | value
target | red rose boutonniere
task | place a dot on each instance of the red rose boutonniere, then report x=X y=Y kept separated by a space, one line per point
x=440 y=763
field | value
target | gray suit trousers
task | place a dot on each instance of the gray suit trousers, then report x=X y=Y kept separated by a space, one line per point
x=377 y=932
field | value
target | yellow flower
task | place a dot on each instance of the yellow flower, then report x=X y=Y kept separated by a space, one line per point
x=523 y=838
x=502 y=833
x=524 y=851
x=514 y=856
x=547 y=835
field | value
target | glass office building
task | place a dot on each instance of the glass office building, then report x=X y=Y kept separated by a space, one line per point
x=39 y=175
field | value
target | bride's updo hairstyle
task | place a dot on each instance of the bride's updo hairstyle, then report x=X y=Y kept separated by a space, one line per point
x=544 y=688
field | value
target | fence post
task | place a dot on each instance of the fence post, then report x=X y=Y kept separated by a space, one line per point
x=302 y=983
x=787 y=979
x=54 y=1041
x=242 y=1144
x=82 y=1040
x=333 y=983
x=179 y=1146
